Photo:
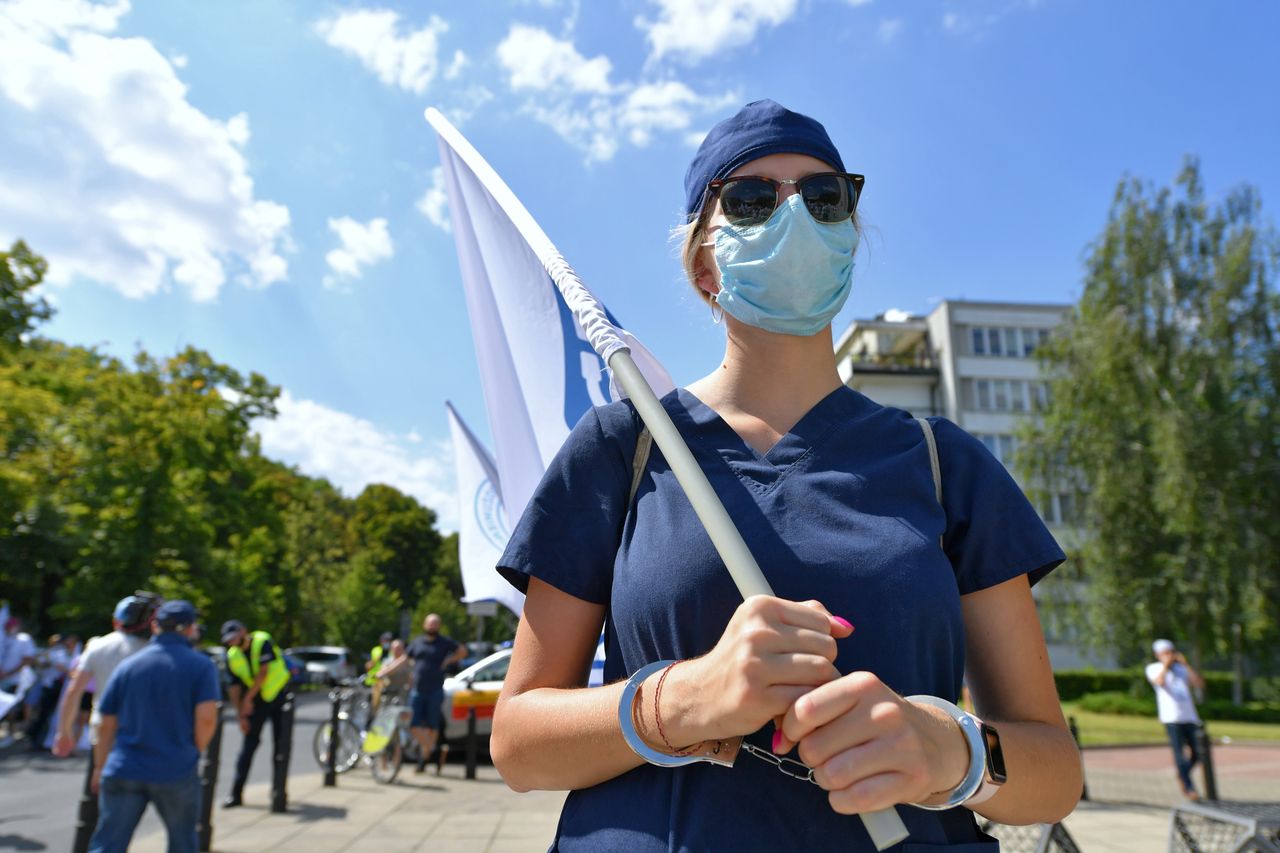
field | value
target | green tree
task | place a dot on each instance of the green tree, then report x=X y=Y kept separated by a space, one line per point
x=21 y=270
x=400 y=536
x=1165 y=420
x=361 y=605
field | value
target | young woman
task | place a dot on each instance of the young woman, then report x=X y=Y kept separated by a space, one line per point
x=836 y=498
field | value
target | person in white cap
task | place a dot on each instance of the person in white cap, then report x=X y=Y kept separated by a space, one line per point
x=1173 y=678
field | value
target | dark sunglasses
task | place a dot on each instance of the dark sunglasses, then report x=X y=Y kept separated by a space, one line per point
x=830 y=197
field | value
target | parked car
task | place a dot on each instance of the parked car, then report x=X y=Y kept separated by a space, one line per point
x=326 y=664
x=478 y=685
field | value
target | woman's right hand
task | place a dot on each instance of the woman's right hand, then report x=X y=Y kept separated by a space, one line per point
x=771 y=653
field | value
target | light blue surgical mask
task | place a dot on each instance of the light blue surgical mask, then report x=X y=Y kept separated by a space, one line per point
x=791 y=275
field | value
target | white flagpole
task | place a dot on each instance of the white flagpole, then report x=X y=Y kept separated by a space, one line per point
x=885 y=827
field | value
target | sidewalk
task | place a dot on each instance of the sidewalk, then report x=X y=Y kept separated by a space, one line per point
x=441 y=814
x=448 y=814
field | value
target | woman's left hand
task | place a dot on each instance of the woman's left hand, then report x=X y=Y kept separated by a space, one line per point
x=870 y=748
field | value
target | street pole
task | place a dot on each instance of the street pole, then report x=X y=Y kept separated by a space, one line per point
x=471 y=742
x=283 y=743
x=331 y=765
x=209 y=783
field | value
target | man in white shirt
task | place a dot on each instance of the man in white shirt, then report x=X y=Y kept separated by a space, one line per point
x=131 y=628
x=17 y=652
x=1173 y=679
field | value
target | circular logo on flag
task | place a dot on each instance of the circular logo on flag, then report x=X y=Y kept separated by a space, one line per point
x=491 y=517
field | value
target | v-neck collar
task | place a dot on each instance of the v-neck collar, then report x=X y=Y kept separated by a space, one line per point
x=793 y=446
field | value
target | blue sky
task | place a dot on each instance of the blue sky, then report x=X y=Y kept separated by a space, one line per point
x=255 y=178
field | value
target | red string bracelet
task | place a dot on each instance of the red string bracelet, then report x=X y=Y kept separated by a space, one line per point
x=657 y=713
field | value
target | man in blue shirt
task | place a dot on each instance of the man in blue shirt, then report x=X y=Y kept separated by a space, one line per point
x=159 y=712
x=431 y=653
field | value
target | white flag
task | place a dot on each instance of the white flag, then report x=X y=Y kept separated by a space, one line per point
x=482 y=522
x=538 y=371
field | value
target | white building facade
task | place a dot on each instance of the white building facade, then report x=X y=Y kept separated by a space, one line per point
x=973 y=363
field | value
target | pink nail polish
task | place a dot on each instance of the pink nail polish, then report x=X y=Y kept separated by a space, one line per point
x=843 y=622
x=777 y=741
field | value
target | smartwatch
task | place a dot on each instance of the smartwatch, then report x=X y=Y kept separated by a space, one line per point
x=986 y=758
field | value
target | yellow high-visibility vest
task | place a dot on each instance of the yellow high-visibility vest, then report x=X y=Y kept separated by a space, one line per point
x=247 y=669
x=375 y=658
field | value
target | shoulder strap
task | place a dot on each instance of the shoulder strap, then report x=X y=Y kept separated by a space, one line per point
x=644 y=442
x=936 y=468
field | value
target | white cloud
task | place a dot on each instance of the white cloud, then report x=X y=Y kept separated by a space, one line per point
x=456 y=65
x=111 y=173
x=359 y=246
x=897 y=315
x=889 y=29
x=352 y=453
x=693 y=30
x=977 y=26
x=574 y=97
x=535 y=59
x=400 y=56
x=434 y=203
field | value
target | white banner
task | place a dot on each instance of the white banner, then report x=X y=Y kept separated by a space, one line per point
x=482 y=521
x=538 y=371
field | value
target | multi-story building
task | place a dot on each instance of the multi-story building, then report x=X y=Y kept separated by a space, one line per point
x=973 y=363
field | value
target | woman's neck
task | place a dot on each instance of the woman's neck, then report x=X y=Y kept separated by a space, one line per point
x=771 y=377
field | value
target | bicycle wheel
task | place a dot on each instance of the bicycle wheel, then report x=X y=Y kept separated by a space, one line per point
x=348 y=746
x=385 y=764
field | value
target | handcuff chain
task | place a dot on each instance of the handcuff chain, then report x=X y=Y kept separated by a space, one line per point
x=788 y=766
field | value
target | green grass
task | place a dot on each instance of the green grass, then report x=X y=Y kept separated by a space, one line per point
x=1104 y=729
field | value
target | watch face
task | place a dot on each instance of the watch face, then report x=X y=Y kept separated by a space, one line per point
x=995 y=755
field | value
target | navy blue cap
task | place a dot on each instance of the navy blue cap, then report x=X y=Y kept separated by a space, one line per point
x=757 y=130
x=171 y=614
x=230 y=627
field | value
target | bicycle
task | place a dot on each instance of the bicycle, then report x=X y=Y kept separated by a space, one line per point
x=353 y=716
x=388 y=742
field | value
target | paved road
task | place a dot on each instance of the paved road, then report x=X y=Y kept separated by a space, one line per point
x=39 y=794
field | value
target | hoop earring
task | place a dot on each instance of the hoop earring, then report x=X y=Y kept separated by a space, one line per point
x=716 y=318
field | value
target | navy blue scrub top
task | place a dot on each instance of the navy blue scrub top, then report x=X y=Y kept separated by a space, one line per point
x=843 y=510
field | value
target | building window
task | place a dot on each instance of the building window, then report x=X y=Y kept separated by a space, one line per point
x=1008 y=341
x=1058 y=508
x=1012 y=345
x=1031 y=338
x=1003 y=447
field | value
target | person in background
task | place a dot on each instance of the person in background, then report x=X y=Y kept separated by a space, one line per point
x=17 y=652
x=431 y=653
x=158 y=714
x=376 y=656
x=130 y=626
x=56 y=664
x=1173 y=679
x=396 y=673
x=258 y=690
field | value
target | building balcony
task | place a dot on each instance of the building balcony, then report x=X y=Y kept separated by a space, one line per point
x=911 y=363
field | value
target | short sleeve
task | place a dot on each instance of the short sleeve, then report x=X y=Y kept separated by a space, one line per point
x=85 y=661
x=993 y=532
x=110 y=701
x=1153 y=669
x=207 y=683
x=267 y=653
x=571 y=529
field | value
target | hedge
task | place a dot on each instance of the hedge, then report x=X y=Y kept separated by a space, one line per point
x=1074 y=683
x=1145 y=706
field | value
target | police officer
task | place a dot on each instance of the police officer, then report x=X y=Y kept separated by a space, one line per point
x=259 y=690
